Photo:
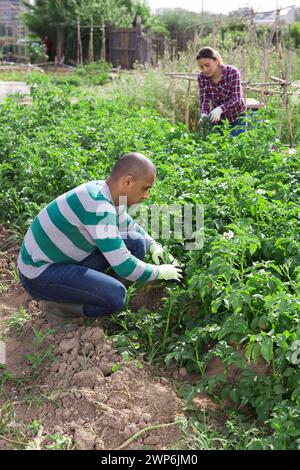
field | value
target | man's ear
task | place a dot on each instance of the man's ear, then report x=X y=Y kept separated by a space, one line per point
x=128 y=180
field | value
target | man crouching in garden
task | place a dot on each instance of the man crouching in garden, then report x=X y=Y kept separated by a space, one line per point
x=75 y=238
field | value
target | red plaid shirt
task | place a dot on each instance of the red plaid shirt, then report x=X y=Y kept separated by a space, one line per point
x=227 y=93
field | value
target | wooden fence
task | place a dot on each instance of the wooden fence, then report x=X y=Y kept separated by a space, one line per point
x=130 y=45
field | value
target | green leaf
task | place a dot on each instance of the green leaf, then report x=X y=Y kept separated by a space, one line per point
x=267 y=350
x=252 y=248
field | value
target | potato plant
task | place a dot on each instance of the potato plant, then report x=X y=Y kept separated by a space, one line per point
x=240 y=298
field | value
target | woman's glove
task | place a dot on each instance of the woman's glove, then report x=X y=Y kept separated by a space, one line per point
x=168 y=272
x=215 y=114
x=157 y=252
x=203 y=118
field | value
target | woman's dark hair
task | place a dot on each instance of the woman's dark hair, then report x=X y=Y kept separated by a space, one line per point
x=209 y=53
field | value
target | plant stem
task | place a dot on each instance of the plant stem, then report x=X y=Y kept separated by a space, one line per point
x=167 y=325
x=12 y=440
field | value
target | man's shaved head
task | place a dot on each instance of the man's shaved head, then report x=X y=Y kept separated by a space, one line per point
x=133 y=164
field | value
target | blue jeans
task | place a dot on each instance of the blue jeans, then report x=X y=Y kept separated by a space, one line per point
x=236 y=127
x=85 y=283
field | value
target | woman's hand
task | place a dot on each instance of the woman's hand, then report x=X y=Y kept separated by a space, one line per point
x=203 y=119
x=215 y=114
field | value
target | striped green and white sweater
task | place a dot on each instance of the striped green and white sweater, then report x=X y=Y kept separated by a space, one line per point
x=77 y=223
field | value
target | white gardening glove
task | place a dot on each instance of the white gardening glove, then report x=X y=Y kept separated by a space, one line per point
x=168 y=272
x=203 y=118
x=215 y=114
x=157 y=252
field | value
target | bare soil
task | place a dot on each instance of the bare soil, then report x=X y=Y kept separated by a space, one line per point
x=86 y=391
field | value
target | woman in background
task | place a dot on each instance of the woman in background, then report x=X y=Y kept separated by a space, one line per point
x=221 y=93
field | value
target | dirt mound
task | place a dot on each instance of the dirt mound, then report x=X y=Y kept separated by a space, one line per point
x=97 y=399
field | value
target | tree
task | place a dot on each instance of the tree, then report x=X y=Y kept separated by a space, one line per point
x=179 y=20
x=51 y=17
x=58 y=18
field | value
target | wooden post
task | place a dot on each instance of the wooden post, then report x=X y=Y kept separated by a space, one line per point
x=190 y=68
x=91 y=44
x=222 y=35
x=264 y=79
x=274 y=29
x=281 y=60
x=59 y=45
x=253 y=29
x=110 y=46
x=288 y=114
x=285 y=99
x=79 y=43
x=138 y=38
x=173 y=93
x=230 y=55
x=213 y=36
x=243 y=63
x=103 y=44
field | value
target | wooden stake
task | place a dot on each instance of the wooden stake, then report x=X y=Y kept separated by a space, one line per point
x=79 y=43
x=242 y=63
x=288 y=114
x=103 y=50
x=213 y=36
x=253 y=29
x=190 y=68
x=285 y=100
x=274 y=29
x=173 y=97
x=265 y=68
x=230 y=55
x=91 y=44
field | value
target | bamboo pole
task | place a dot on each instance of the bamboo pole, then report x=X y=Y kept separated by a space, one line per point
x=274 y=28
x=281 y=60
x=253 y=29
x=173 y=95
x=243 y=67
x=288 y=113
x=285 y=96
x=242 y=63
x=265 y=64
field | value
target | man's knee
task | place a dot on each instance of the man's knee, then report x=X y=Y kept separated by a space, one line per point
x=117 y=299
x=113 y=301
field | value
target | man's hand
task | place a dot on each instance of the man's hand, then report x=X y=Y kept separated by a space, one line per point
x=157 y=252
x=215 y=114
x=203 y=119
x=168 y=272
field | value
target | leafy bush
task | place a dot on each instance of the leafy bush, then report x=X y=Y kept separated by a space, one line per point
x=96 y=73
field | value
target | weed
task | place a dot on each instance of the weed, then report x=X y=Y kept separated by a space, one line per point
x=18 y=319
x=34 y=426
x=37 y=357
x=117 y=366
x=15 y=274
x=58 y=442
